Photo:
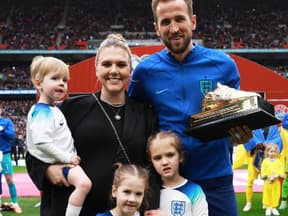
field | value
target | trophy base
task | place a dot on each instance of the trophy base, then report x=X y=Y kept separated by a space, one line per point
x=217 y=125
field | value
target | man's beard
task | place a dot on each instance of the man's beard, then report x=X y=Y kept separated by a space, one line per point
x=177 y=50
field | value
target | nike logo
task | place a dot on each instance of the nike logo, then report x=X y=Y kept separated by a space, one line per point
x=61 y=122
x=161 y=91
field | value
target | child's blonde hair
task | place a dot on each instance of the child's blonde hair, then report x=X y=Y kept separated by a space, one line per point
x=41 y=66
x=166 y=134
x=134 y=170
x=271 y=146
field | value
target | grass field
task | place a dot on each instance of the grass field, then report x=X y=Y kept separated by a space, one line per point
x=256 y=205
x=20 y=169
x=29 y=209
x=27 y=204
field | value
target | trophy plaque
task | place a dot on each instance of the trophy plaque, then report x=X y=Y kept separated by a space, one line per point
x=252 y=111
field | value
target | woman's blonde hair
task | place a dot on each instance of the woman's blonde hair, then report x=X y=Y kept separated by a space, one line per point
x=114 y=40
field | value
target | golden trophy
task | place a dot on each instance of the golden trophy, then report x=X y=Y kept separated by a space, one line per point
x=225 y=108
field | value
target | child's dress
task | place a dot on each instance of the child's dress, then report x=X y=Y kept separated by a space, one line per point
x=271 y=189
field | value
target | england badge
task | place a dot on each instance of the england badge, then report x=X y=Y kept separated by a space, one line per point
x=178 y=208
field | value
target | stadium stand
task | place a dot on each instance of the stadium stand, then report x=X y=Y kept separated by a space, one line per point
x=71 y=24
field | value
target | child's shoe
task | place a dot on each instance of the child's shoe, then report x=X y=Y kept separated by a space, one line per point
x=268 y=212
x=247 y=207
x=275 y=211
x=283 y=205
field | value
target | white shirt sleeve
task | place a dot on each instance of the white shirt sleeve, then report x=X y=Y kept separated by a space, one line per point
x=53 y=152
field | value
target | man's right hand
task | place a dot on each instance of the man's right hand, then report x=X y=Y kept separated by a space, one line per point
x=240 y=134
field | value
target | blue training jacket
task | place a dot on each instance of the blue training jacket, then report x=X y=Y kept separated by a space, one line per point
x=6 y=135
x=176 y=91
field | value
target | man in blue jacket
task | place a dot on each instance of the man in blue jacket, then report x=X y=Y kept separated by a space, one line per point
x=175 y=81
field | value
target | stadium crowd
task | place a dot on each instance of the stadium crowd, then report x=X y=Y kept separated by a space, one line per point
x=71 y=24
x=15 y=78
x=280 y=69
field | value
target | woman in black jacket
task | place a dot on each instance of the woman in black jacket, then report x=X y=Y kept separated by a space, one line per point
x=108 y=128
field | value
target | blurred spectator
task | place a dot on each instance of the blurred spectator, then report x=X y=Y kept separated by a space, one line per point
x=17 y=111
x=280 y=69
x=15 y=77
x=18 y=149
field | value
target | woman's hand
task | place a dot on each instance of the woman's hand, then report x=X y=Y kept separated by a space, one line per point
x=55 y=174
x=240 y=134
